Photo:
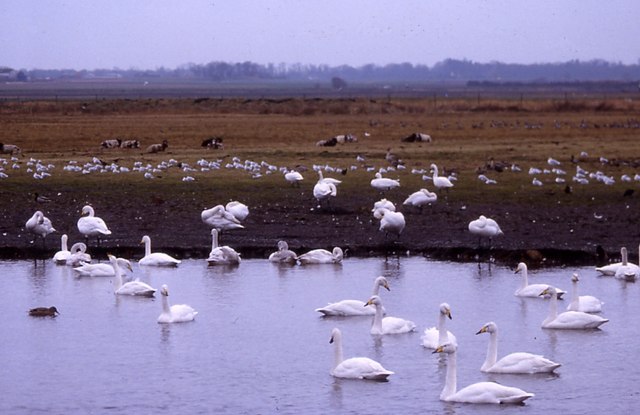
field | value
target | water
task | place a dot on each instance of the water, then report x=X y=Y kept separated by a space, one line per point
x=258 y=346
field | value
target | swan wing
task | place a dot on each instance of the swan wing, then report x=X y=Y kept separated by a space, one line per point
x=396 y=325
x=347 y=308
x=576 y=320
x=431 y=336
x=361 y=368
x=316 y=256
x=490 y=392
x=137 y=288
x=159 y=259
x=182 y=312
x=522 y=362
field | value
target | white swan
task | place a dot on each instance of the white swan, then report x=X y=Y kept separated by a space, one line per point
x=322 y=256
x=388 y=325
x=531 y=290
x=39 y=225
x=237 y=209
x=98 y=270
x=92 y=225
x=391 y=222
x=293 y=177
x=137 y=288
x=331 y=180
x=221 y=255
x=355 y=367
x=61 y=256
x=383 y=183
x=519 y=362
x=437 y=336
x=283 y=255
x=571 y=320
x=584 y=303
x=324 y=190
x=627 y=271
x=78 y=255
x=440 y=182
x=421 y=198
x=218 y=218
x=158 y=259
x=382 y=204
x=610 y=269
x=481 y=392
x=177 y=313
x=485 y=228
x=346 y=308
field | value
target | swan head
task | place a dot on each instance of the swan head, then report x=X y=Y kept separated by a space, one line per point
x=336 y=335
x=374 y=300
x=214 y=232
x=164 y=290
x=283 y=245
x=574 y=277
x=145 y=239
x=87 y=210
x=490 y=327
x=447 y=348
x=78 y=247
x=521 y=267
x=549 y=291
x=445 y=310
x=382 y=281
x=338 y=254
x=124 y=263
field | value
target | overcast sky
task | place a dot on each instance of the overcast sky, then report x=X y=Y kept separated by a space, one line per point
x=86 y=34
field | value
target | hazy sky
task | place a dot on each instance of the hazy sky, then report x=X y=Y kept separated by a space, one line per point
x=148 y=34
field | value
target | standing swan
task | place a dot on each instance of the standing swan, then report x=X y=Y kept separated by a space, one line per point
x=158 y=259
x=283 y=255
x=437 y=336
x=584 y=303
x=322 y=256
x=532 y=290
x=137 y=288
x=481 y=392
x=346 y=308
x=485 y=227
x=391 y=222
x=388 y=325
x=421 y=198
x=92 y=225
x=610 y=269
x=440 y=182
x=221 y=255
x=39 y=225
x=569 y=320
x=355 y=367
x=177 y=313
x=519 y=362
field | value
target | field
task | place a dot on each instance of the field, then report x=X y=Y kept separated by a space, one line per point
x=554 y=222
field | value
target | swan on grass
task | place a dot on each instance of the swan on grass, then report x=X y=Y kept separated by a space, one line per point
x=388 y=325
x=569 y=320
x=158 y=259
x=347 y=308
x=384 y=183
x=218 y=218
x=380 y=205
x=421 y=198
x=293 y=177
x=440 y=182
x=437 y=336
x=481 y=392
x=627 y=271
x=63 y=254
x=283 y=255
x=355 y=367
x=610 y=269
x=78 y=255
x=137 y=288
x=91 y=225
x=221 y=255
x=322 y=256
x=39 y=225
x=519 y=362
x=177 y=313
x=532 y=290
x=584 y=303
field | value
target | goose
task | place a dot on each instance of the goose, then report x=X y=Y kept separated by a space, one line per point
x=177 y=313
x=354 y=367
x=421 y=198
x=218 y=218
x=481 y=392
x=283 y=255
x=44 y=312
x=137 y=288
x=382 y=204
x=519 y=362
x=63 y=254
x=40 y=225
x=347 y=308
x=391 y=222
x=293 y=177
x=610 y=269
x=387 y=325
x=440 y=182
x=584 y=303
x=531 y=290
x=437 y=336
x=626 y=270
x=485 y=228
x=158 y=259
x=92 y=225
x=221 y=255
x=78 y=255
x=322 y=256
x=383 y=183
x=237 y=209
x=570 y=320
x=324 y=191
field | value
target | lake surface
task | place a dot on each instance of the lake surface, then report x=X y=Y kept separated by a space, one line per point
x=258 y=346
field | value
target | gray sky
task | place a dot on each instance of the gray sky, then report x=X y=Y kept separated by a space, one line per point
x=148 y=34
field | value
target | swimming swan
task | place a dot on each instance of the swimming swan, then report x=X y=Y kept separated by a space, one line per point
x=610 y=269
x=137 y=288
x=61 y=256
x=177 y=313
x=92 y=225
x=570 y=320
x=158 y=259
x=584 y=303
x=347 y=308
x=627 y=270
x=355 y=367
x=221 y=255
x=283 y=255
x=519 y=362
x=322 y=256
x=437 y=336
x=78 y=255
x=98 y=270
x=388 y=325
x=481 y=392
x=531 y=290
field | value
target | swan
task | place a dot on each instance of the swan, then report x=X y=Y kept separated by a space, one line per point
x=78 y=255
x=437 y=336
x=283 y=255
x=421 y=198
x=322 y=256
x=388 y=325
x=585 y=303
x=39 y=225
x=293 y=177
x=346 y=308
x=610 y=269
x=218 y=218
x=485 y=227
x=391 y=222
x=355 y=367
x=440 y=182
x=382 y=204
x=383 y=183
x=177 y=313
x=324 y=190
x=237 y=209
x=137 y=288
x=331 y=180
x=92 y=225
x=575 y=320
x=519 y=362
x=481 y=392
x=61 y=256
x=626 y=270
x=531 y=290
x=97 y=270
x=221 y=255
x=158 y=259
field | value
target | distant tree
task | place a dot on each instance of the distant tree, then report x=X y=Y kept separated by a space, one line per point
x=21 y=76
x=338 y=83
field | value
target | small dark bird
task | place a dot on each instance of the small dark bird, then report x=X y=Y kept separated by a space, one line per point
x=41 y=199
x=628 y=193
x=568 y=189
x=44 y=312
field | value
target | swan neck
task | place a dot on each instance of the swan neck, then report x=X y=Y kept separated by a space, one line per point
x=165 y=305
x=525 y=277
x=147 y=247
x=450 y=383
x=118 y=276
x=575 y=299
x=338 y=357
x=63 y=244
x=443 y=336
x=214 y=240
x=376 y=327
x=492 y=351
x=553 y=309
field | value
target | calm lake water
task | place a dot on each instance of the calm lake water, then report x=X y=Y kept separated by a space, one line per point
x=258 y=346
